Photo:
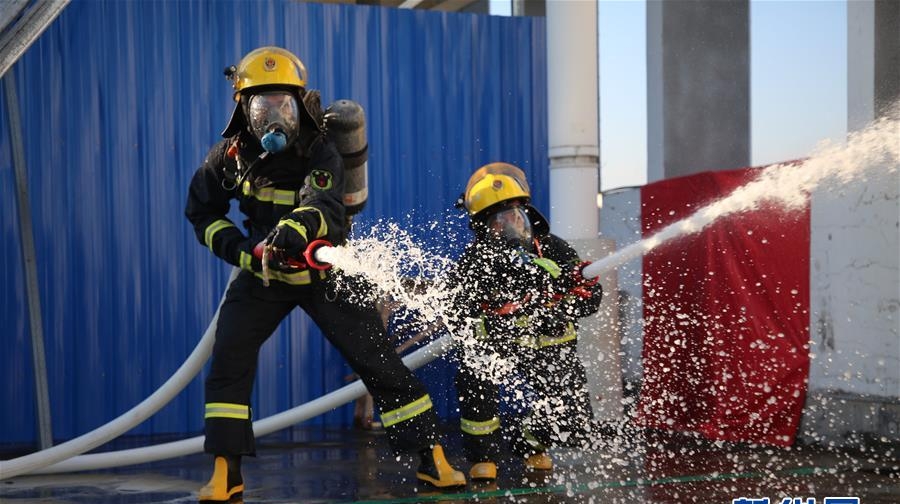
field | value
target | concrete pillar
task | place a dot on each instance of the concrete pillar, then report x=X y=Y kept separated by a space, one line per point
x=573 y=129
x=873 y=59
x=536 y=8
x=698 y=86
x=573 y=118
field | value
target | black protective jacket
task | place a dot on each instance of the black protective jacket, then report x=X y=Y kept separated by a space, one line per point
x=518 y=294
x=523 y=304
x=308 y=179
x=305 y=185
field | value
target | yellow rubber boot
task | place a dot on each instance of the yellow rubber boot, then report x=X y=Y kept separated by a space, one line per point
x=218 y=490
x=483 y=471
x=539 y=462
x=435 y=469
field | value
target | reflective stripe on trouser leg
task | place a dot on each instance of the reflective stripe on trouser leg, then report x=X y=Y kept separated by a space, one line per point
x=477 y=428
x=227 y=410
x=406 y=412
x=480 y=423
x=245 y=322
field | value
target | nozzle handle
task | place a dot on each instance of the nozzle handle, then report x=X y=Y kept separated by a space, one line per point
x=310 y=254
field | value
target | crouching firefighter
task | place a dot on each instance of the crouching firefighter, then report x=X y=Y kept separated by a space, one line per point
x=288 y=176
x=523 y=290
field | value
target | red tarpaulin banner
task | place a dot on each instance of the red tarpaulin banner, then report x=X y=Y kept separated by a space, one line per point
x=726 y=315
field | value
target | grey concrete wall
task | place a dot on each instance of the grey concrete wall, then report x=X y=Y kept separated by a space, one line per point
x=860 y=64
x=698 y=84
x=620 y=220
x=854 y=375
x=855 y=287
x=537 y=8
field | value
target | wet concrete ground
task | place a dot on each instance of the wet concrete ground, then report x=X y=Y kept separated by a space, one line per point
x=353 y=466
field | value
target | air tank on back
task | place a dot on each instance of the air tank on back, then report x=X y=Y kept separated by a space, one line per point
x=346 y=124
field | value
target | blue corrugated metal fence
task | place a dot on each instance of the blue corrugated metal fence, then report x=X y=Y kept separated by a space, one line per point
x=120 y=102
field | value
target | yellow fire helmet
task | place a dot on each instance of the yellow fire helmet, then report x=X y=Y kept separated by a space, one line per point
x=267 y=66
x=496 y=183
x=492 y=184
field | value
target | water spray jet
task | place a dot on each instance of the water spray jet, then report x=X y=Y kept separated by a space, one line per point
x=785 y=184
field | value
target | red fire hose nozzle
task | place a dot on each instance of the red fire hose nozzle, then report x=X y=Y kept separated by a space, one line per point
x=310 y=254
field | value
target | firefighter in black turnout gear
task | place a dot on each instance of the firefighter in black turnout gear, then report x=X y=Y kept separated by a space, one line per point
x=523 y=292
x=278 y=162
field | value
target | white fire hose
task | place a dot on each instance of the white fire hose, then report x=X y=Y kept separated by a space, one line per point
x=62 y=458
x=261 y=427
x=621 y=257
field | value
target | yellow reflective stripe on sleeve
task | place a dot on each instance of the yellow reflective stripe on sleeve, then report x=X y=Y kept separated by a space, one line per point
x=296 y=226
x=480 y=329
x=569 y=335
x=549 y=265
x=406 y=412
x=479 y=428
x=246 y=261
x=323 y=226
x=543 y=341
x=270 y=194
x=228 y=410
x=214 y=228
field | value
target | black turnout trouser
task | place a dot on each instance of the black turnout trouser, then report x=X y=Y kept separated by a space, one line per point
x=252 y=312
x=559 y=414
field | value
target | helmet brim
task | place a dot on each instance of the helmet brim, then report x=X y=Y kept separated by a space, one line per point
x=236 y=123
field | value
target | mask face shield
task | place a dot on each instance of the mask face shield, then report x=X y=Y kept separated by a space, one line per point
x=511 y=225
x=274 y=118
